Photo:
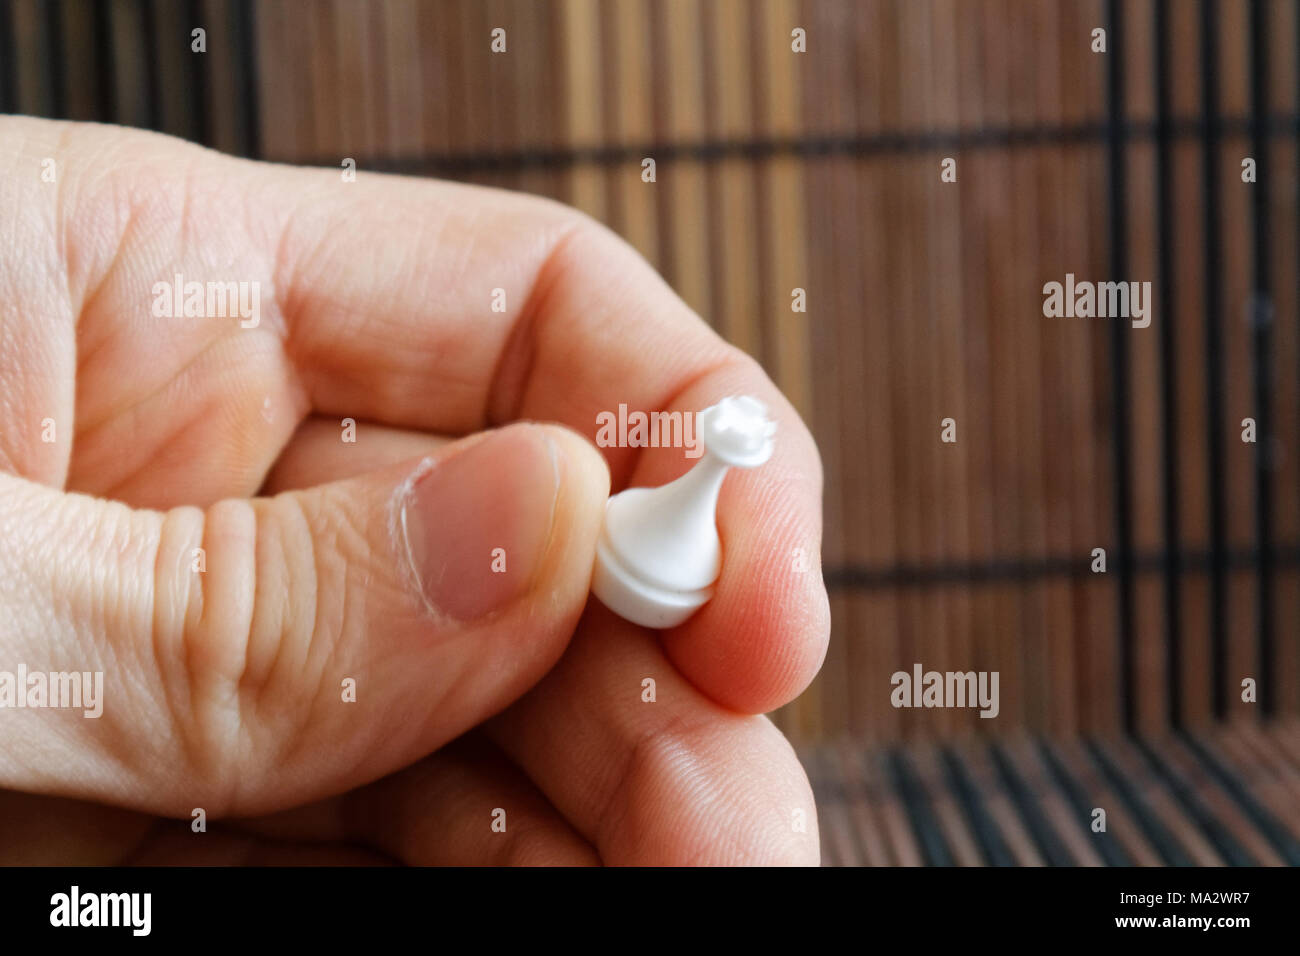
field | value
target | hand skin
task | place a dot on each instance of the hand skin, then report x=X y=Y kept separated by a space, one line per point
x=222 y=689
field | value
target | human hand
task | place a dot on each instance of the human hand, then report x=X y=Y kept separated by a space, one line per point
x=129 y=440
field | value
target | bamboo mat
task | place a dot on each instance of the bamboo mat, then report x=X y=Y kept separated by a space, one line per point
x=820 y=171
x=1229 y=796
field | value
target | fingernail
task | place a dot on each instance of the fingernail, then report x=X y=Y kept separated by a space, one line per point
x=477 y=523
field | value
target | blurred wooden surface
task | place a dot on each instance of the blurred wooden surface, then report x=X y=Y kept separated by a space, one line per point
x=778 y=170
x=1223 y=796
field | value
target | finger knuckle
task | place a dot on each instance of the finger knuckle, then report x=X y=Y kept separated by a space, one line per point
x=265 y=611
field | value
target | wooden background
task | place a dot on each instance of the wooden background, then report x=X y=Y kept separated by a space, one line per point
x=820 y=170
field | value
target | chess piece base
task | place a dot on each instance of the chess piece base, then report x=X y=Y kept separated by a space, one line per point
x=633 y=599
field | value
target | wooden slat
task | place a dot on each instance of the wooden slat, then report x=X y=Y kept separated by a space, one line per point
x=863 y=805
x=1157 y=795
x=629 y=118
x=999 y=805
x=779 y=74
x=130 y=80
x=1286 y=735
x=1120 y=822
x=1071 y=830
x=1284 y=212
x=840 y=846
x=899 y=835
x=1147 y=637
x=584 y=100
x=1180 y=761
x=732 y=185
x=1278 y=791
x=1263 y=747
x=32 y=57
x=947 y=332
x=956 y=828
x=318 y=25
x=1054 y=478
x=682 y=75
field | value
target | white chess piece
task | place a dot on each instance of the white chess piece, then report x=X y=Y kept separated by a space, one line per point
x=659 y=551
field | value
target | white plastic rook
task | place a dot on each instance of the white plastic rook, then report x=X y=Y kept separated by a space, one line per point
x=659 y=551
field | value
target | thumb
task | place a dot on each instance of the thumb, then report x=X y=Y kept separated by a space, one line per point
x=265 y=652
